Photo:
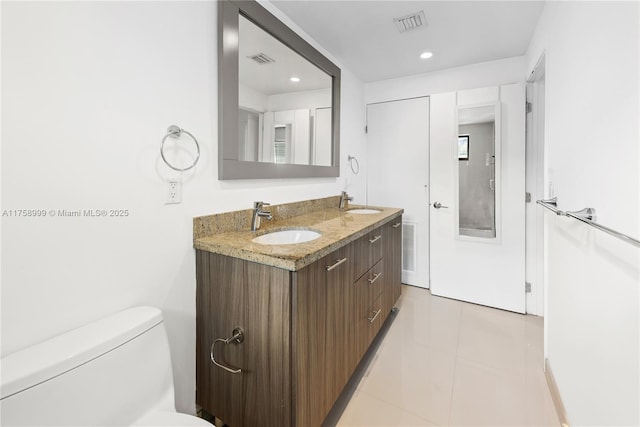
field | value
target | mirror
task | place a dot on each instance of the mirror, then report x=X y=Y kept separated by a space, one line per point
x=279 y=99
x=284 y=103
x=478 y=132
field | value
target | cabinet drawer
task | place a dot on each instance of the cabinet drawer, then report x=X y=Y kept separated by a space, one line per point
x=375 y=317
x=369 y=323
x=370 y=285
x=368 y=251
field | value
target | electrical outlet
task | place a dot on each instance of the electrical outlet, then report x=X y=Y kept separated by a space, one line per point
x=173 y=192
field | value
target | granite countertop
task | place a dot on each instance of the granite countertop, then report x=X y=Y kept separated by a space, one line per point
x=338 y=228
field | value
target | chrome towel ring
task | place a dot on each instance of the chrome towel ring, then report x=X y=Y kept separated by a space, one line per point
x=175 y=132
x=352 y=160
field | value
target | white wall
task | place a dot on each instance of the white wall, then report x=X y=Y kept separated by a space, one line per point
x=485 y=74
x=592 y=159
x=592 y=98
x=88 y=90
x=313 y=99
x=249 y=98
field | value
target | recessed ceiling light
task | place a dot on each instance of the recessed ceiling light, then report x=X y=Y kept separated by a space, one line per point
x=295 y=79
x=426 y=55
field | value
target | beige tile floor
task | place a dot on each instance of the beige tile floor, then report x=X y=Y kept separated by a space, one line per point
x=445 y=362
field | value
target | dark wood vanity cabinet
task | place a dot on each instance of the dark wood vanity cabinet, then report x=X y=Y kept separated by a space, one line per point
x=304 y=331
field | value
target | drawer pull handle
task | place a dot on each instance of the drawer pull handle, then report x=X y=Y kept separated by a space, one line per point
x=375 y=277
x=371 y=319
x=337 y=263
x=375 y=239
x=236 y=338
x=397 y=224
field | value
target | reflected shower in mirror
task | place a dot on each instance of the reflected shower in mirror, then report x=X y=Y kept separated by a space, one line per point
x=477 y=171
x=284 y=102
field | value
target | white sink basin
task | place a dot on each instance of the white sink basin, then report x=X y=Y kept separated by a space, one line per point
x=286 y=237
x=362 y=211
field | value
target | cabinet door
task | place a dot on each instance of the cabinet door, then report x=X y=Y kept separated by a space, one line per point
x=267 y=378
x=339 y=362
x=321 y=335
x=392 y=263
x=234 y=293
x=219 y=309
x=309 y=346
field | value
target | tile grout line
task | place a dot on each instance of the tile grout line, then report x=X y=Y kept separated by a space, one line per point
x=455 y=367
x=397 y=407
x=402 y=408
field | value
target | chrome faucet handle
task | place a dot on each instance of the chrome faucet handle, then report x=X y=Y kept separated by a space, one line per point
x=258 y=213
x=344 y=197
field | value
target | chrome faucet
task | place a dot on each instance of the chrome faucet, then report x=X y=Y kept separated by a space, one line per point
x=344 y=197
x=259 y=213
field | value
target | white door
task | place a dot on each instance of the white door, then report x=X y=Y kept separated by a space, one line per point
x=398 y=173
x=477 y=242
x=322 y=140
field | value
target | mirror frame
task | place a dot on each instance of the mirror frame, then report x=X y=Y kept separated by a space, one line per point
x=229 y=166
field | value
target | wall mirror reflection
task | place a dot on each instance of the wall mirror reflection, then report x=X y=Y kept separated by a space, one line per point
x=284 y=102
x=279 y=99
x=477 y=147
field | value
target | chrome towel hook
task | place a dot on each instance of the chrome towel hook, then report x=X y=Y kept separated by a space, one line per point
x=176 y=132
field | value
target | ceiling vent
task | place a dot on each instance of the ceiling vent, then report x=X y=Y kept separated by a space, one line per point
x=261 y=58
x=411 y=22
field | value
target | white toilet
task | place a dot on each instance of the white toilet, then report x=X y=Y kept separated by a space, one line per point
x=113 y=372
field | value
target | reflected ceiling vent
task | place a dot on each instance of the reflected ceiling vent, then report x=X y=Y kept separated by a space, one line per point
x=261 y=58
x=411 y=22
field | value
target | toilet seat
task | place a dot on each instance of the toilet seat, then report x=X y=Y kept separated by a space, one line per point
x=174 y=419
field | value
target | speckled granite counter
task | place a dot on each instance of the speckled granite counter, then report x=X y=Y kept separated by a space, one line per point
x=228 y=233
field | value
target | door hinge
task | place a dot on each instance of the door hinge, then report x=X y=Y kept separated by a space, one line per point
x=527 y=287
x=527 y=197
x=528 y=107
x=366 y=129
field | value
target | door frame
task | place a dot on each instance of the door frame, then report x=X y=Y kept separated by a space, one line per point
x=535 y=255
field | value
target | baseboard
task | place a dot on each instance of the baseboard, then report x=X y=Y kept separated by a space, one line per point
x=555 y=394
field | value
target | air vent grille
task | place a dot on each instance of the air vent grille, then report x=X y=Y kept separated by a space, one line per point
x=261 y=58
x=413 y=21
x=409 y=246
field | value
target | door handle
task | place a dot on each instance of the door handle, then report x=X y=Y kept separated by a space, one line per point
x=438 y=205
x=492 y=184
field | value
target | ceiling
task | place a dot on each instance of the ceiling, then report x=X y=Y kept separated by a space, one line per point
x=274 y=77
x=363 y=37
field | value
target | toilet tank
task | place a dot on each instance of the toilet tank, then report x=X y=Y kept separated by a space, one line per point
x=110 y=372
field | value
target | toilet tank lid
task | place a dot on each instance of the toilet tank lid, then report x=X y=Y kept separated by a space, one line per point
x=43 y=361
